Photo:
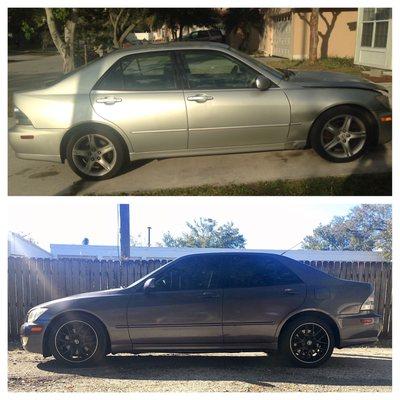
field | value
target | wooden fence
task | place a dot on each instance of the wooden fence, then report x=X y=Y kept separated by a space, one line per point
x=33 y=281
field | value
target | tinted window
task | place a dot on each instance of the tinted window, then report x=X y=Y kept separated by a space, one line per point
x=149 y=71
x=189 y=273
x=214 y=70
x=244 y=271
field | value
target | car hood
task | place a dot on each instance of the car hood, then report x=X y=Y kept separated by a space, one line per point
x=332 y=80
x=87 y=295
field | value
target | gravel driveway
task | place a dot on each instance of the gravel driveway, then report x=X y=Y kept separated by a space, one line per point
x=353 y=369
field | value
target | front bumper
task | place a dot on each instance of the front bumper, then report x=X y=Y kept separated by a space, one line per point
x=32 y=341
x=359 y=329
x=36 y=144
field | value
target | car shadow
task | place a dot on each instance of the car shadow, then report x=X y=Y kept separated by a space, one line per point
x=264 y=371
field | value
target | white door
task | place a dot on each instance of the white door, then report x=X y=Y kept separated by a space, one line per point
x=374 y=38
x=282 y=36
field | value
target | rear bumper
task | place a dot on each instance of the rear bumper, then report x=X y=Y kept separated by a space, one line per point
x=36 y=144
x=31 y=341
x=359 y=329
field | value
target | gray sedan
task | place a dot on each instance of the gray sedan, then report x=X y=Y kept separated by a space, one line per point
x=227 y=301
x=190 y=99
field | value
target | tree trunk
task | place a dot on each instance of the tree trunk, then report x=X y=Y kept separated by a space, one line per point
x=65 y=47
x=263 y=43
x=313 y=51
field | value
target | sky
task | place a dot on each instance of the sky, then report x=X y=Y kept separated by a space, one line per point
x=264 y=222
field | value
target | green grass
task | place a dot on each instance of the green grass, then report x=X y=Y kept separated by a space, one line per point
x=334 y=64
x=354 y=185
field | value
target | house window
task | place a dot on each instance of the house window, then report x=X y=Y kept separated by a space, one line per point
x=375 y=27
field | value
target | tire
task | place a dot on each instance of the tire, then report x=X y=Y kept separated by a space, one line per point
x=328 y=128
x=86 y=147
x=298 y=356
x=61 y=336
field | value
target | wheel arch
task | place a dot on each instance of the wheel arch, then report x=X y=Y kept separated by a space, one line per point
x=91 y=125
x=46 y=346
x=369 y=113
x=313 y=313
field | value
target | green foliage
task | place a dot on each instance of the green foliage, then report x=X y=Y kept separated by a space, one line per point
x=379 y=184
x=206 y=232
x=241 y=21
x=178 y=18
x=366 y=227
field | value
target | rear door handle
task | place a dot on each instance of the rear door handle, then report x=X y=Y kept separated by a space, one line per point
x=200 y=98
x=289 y=292
x=109 y=100
x=209 y=295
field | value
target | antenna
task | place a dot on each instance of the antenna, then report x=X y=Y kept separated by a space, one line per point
x=291 y=248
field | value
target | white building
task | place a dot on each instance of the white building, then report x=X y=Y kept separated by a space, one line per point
x=374 y=38
x=18 y=246
x=170 y=253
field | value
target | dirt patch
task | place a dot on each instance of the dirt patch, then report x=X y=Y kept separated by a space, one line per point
x=354 y=369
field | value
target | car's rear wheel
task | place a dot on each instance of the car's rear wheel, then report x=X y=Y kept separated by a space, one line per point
x=307 y=342
x=342 y=134
x=96 y=154
x=78 y=341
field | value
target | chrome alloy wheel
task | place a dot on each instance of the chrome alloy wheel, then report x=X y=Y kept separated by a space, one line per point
x=76 y=341
x=309 y=343
x=94 y=154
x=343 y=136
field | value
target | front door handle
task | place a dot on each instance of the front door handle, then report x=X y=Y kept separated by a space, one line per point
x=209 y=295
x=109 y=100
x=200 y=98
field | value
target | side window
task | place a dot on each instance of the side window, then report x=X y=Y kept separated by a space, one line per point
x=191 y=273
x=245 y=271
x=215 y=70
x=142 y=72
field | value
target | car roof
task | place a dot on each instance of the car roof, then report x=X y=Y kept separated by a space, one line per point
x=228 y=252
x=172 y=46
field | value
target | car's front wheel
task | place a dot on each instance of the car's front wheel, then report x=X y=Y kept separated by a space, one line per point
x=342 y=134
x=96 y=154
x=306 y=342
x=78 y=341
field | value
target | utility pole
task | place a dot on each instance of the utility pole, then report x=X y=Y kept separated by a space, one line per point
x=124 y=232
x=149 y=236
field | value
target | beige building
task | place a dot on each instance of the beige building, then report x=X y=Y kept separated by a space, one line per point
x=288 y=33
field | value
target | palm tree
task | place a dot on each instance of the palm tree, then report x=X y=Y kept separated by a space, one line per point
x=313 y=52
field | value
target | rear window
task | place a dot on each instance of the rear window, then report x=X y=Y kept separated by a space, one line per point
x=140 y=72
x=255 y=270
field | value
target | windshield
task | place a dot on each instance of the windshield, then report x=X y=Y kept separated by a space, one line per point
x=259 y=64
x=144 y=278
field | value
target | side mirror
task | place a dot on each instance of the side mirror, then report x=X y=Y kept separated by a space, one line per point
x=149 y=284
x=262 y=83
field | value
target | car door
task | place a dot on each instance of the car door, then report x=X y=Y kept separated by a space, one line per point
x=258 y=293
x=141 y=94
x=184 y=307
x=224 y=107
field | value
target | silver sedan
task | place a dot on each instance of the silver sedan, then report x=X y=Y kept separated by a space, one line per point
x=194 y=98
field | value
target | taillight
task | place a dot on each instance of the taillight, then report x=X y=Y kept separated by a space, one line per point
x=21 y=118
x=368 y=304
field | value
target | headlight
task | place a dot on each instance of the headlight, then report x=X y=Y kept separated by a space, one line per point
x=21 y=118
x=35 y=313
